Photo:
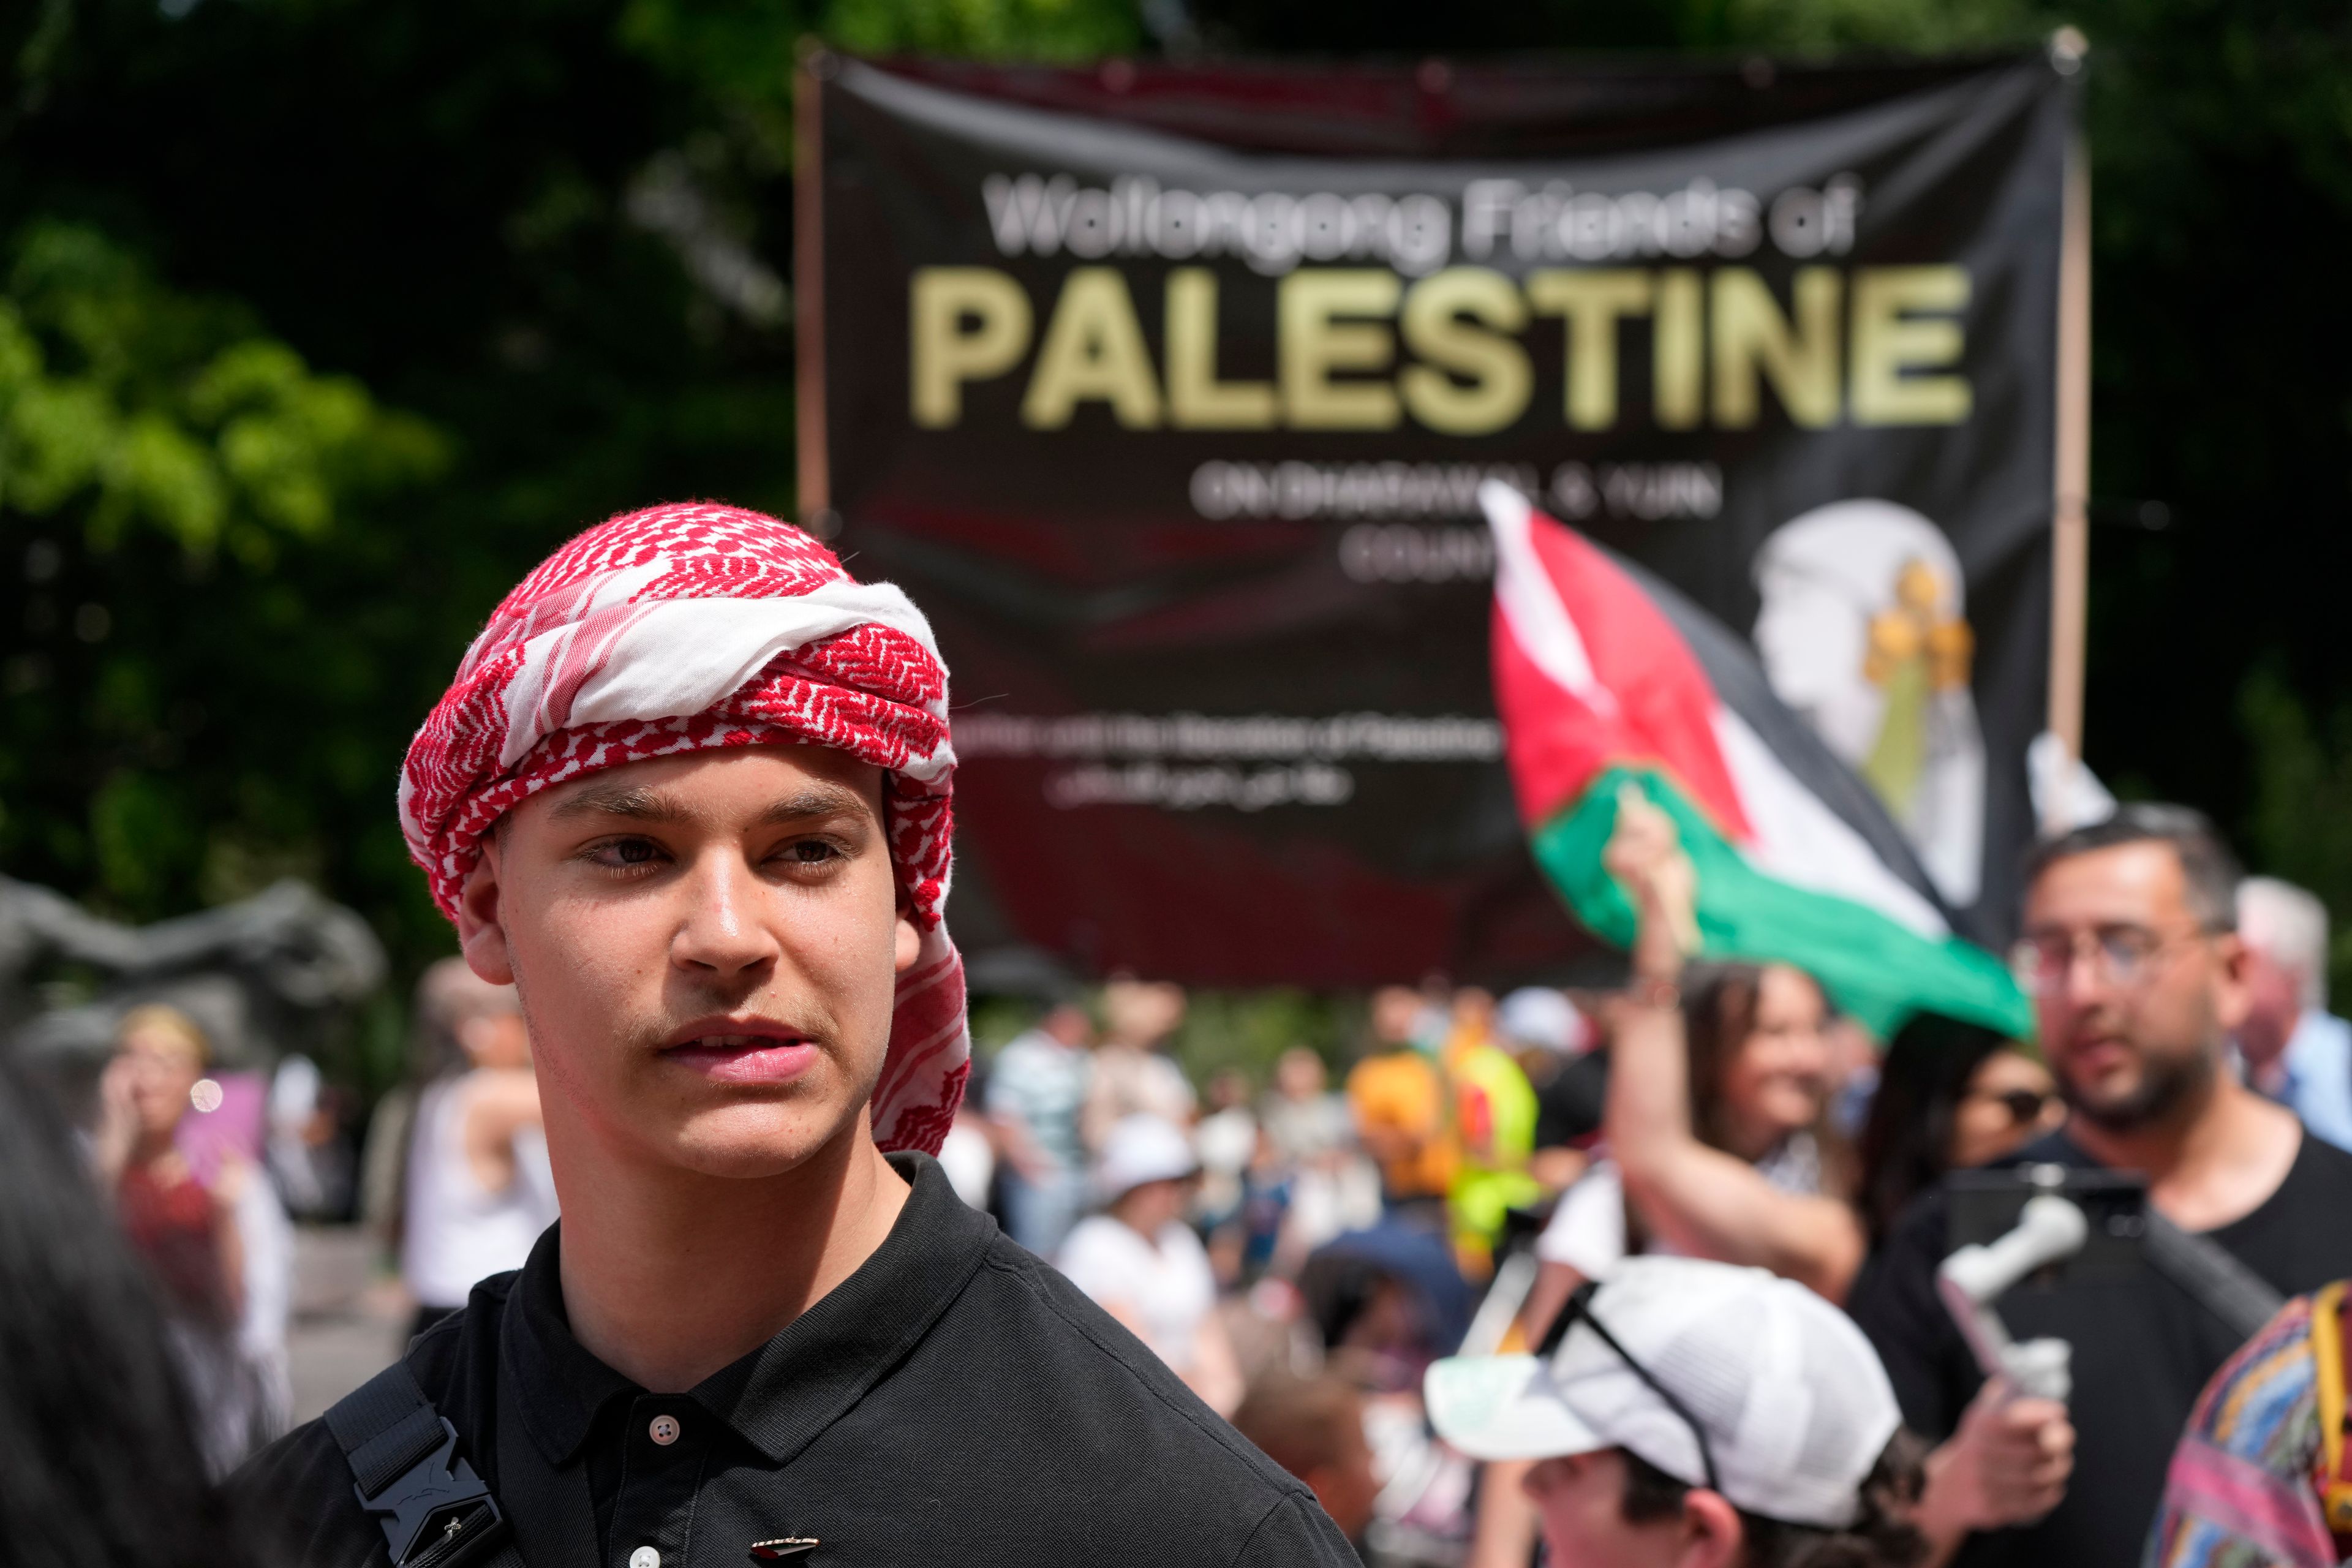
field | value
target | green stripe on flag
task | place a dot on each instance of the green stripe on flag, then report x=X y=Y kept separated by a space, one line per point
x=1872 y=965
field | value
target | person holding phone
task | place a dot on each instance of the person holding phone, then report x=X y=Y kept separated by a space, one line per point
x=2138 y=977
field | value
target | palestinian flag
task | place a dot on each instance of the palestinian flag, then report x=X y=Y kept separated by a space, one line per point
x=1603 y=675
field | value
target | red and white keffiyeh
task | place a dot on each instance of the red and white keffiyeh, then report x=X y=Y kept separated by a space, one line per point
x=683 y=628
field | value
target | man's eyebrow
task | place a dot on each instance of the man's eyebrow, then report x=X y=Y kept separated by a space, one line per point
x=619 y=800
x=816 y=800
x=643 y=804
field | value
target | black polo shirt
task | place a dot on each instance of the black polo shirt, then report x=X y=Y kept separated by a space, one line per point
x=954 y=1401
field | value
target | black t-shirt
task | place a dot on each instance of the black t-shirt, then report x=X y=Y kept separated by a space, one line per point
x=953 y=1401
x=2143 y=1349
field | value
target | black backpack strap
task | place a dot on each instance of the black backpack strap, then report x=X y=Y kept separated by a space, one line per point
x=2211 y=1275
x=408 y=1473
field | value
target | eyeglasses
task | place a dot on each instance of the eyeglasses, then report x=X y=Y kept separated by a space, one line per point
x=2023 y=1105
x=1578 y=1310
x=2121 y=956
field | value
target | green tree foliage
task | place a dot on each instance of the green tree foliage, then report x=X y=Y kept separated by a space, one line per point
x=736 y=55
x=162 y=410
x=556 y=232
x=2301 y=816
x=171 y=477
x=1247 y=1033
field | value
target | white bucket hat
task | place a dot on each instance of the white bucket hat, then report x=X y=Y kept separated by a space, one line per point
x=1538 y=1015
x=1756 y=1387
x=1142 y=1147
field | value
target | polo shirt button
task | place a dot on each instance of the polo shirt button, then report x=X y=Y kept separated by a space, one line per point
x=645 y=1557
x=663 y=1431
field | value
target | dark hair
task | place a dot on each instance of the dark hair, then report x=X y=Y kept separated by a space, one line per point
x=1719 y=1002
x=1907 y=1144
x=1718 y=1014
x=1719 y=1007
x=1881 y=1536
x=2210 y=872
x=1302 y=1423
x=97 y=1442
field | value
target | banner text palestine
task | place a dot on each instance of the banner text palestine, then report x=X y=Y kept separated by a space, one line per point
x=1880 y=345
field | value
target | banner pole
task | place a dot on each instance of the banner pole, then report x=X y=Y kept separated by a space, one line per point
x=808 y=288
x=2070 y=541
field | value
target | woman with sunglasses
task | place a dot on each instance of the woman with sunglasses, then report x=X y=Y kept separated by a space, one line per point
x=1951 y=1096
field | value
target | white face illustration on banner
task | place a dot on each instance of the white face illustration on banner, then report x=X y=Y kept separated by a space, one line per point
x=1864 y=631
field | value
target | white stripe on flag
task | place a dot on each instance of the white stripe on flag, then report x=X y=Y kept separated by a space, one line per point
x=1531 y=603
x=1801 y=841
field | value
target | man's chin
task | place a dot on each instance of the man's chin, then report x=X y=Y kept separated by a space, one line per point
x=2135 y=1105
x=748 y=1143
x=2115 y=1112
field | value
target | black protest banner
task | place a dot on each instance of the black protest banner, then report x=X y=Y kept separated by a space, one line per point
x=1166 y=391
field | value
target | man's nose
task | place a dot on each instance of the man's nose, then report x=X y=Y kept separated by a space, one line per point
x=720 y=933
x=2082 y=989
x=2087 y=983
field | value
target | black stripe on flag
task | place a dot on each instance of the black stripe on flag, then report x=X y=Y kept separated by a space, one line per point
x=1739 y=681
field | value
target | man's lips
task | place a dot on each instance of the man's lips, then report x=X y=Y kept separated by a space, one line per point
x=728 y=1050
x=2098 y=1054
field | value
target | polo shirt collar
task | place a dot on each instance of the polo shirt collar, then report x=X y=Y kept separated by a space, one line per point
x=559 y=1386
x=781 y=1395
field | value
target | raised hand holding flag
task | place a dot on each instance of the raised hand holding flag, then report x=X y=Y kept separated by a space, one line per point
x=1609 y=681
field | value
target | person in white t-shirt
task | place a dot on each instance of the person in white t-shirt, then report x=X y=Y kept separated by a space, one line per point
x=1143 y=1264
x=480 y=1189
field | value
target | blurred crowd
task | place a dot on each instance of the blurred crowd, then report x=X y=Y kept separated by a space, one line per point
x=209 y=1171
x=1304 y=1254
x=1359 y=1261
x=1302 y=1251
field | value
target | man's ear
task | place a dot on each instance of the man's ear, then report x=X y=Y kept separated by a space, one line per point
x=2233 y=994
x=1712 y=1534
x=910 y=940
x=480 y=936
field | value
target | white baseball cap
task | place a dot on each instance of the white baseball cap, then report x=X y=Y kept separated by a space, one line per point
x=1793 y=1405
x=1542 y=1017
x=1142 y=1147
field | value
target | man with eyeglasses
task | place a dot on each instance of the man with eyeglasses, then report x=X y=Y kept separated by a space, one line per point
x=1689 y=1414
x=2138 y=977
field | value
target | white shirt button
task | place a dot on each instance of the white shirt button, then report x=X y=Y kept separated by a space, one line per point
x=645 y=1557
x=663 y=1431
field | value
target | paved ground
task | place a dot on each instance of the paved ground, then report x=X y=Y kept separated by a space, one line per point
x=349 y=1319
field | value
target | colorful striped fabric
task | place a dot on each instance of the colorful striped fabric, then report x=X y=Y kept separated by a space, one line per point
x=2244 y=1486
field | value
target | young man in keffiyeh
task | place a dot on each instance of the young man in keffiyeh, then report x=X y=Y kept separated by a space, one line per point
x=689 y=793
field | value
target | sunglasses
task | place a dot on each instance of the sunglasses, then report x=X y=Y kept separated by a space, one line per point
x=1578 y=1310
x=2023 y=1105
